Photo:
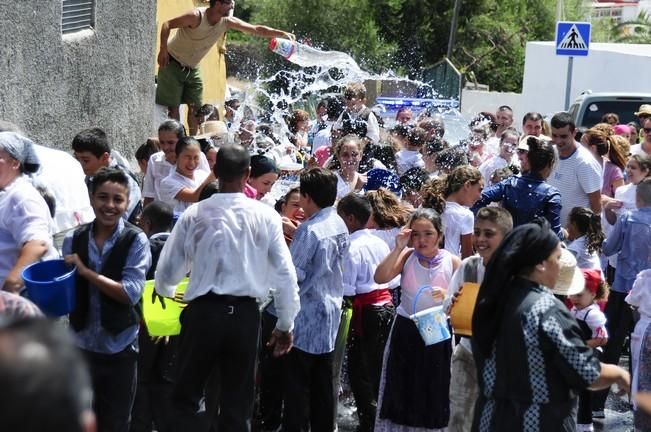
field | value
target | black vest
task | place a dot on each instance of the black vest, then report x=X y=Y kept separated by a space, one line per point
x=115 y=317
x=156 y=247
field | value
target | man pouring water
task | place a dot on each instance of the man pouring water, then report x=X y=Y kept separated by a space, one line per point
x=179 y=80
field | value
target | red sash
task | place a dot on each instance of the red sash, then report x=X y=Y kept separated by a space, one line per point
x=375 y=297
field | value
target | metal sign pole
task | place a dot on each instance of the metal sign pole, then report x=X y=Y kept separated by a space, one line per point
x=568 y=84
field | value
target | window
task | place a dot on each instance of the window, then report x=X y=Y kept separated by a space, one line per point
x=77 y=15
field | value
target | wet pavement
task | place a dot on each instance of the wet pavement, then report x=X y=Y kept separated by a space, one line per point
x=619 y=415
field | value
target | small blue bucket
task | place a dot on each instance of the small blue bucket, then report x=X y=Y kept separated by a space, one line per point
x=51 y=285
x=432 y=323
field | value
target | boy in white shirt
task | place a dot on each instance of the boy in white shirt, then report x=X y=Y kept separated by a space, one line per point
x=373 y=309
x=410 y=156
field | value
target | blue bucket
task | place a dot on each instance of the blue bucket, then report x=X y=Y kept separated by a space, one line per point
x=51 y=285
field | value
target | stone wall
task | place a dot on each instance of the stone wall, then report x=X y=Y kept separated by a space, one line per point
x=53 y=86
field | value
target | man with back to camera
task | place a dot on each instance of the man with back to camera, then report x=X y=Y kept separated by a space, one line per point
x=179 y=80
x=235 y=249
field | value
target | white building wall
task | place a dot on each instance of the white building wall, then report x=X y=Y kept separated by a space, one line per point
x=607 y=68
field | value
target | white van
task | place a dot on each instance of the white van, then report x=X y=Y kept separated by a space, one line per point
x=588 y=108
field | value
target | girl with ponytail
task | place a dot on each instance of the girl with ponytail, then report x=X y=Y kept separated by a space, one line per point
x=585 y=237
x=607 y=154
x=452 y=196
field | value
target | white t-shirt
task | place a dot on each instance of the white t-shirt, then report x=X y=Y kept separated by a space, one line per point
x=455 y=285
x=457 y=221
x=488 y=168
x=625 y=194
x=24 y=216
x=174 y=183
x=407 y=159
x=575 y=177
x=389 y=237
x=584 y=260
x=157 y=169
x=365 y=253
x=636 y=149
x=594 y=318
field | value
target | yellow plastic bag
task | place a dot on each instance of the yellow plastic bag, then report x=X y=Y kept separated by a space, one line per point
x=159 y=321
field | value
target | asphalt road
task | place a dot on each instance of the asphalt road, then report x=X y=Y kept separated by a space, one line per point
x=619 y=415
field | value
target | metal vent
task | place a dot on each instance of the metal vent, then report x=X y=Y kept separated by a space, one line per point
x=77 y=15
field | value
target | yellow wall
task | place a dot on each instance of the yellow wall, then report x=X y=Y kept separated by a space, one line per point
x=213 y=66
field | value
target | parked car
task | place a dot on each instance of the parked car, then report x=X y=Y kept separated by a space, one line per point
x=588 y=108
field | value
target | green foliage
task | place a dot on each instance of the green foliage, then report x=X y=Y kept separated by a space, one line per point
x=491 y=43
x=342 y=25
x=637 y=31
x=408 y=35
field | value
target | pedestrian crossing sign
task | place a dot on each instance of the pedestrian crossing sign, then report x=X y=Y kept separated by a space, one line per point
x=572 y=38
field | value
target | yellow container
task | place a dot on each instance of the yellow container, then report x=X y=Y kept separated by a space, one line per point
x=159 y=321
x=461 y=313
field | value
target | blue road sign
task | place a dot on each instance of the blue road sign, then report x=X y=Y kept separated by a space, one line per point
x=572 y=38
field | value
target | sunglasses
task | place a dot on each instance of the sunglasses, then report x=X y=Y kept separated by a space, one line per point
x=647 y=130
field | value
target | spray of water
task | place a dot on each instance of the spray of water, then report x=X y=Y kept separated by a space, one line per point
x=321 y=72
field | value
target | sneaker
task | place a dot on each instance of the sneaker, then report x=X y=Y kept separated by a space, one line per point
x=598 y=414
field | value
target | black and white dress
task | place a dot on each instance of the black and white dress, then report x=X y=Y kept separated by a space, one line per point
x=538 y=365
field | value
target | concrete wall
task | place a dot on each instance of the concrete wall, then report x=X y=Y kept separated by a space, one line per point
x=53 y=86
x=475 y=101
x=607 y=68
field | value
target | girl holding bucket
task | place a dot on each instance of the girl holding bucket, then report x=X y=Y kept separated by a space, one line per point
x=416 y=372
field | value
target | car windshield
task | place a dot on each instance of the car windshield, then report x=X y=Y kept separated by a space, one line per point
x=625 y=109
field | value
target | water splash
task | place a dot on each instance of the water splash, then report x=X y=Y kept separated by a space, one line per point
x=321 y=75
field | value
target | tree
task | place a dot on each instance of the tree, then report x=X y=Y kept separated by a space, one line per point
x=637 y=31
x=408 y=35
x=342 y=25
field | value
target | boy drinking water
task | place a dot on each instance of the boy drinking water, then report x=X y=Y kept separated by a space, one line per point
x=491 y=226
x=112 y=258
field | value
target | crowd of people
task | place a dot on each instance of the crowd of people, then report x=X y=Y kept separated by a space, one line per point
x=490 y=284
x=356 y=266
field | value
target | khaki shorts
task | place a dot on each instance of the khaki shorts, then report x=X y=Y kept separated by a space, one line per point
x=178 y=84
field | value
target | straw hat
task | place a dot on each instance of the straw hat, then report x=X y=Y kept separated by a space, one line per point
x=644 y=110
x=212 y=128
x=570 y=280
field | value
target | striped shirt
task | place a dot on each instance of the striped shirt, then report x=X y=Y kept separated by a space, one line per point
x=575 y=177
